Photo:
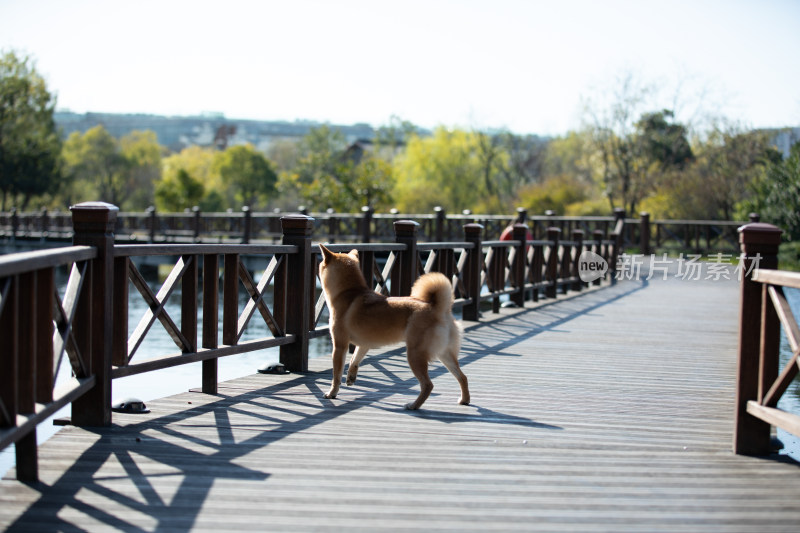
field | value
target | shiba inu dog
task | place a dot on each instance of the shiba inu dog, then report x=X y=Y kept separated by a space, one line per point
x=368 y=319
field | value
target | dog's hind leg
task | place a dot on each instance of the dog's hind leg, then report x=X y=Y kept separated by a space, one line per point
x=352 y=370
x=418 y=362
x=450 y=361
x=339 y=348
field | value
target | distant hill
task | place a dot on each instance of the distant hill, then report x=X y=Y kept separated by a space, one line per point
x=177 y=133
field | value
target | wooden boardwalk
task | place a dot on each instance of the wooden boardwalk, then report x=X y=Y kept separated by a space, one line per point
x=608 y=411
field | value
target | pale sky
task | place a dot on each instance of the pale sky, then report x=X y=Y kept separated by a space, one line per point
x=522 y=65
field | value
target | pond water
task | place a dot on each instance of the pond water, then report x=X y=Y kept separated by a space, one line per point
x=790 y=401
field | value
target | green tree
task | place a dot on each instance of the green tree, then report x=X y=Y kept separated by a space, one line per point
x=779 y=181
x=30 y=146
x=248 y=172
x=122 y=172
x=720 y=177
x=635 y=158
x=508 y=162
x=95 y=164
x=178 y=191
x=143 y=155
x=175 y=192
x=330 y=174
x=445 y=170
x=557 y=194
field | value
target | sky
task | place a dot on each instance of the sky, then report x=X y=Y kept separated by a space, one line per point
x=526 y=66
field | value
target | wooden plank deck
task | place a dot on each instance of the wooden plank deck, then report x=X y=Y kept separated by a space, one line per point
x=607 y=411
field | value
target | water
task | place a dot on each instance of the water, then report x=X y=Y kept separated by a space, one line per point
x=790 y=401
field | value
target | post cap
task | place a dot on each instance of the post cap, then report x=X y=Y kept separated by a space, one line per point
x=94 y=217
x=301 y=224
x=406 y=226
x=94 y=206
x=760 y=233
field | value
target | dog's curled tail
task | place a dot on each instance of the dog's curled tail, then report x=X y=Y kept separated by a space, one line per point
x=435 y=289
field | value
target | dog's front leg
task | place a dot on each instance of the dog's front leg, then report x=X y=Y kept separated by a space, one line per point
x=339 y=350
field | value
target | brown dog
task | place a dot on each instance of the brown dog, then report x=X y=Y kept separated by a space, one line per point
x=368 y=319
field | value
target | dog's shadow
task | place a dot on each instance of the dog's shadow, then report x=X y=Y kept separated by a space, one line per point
x=475 y=415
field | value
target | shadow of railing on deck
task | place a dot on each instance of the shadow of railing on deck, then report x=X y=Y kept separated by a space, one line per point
x=172 y=447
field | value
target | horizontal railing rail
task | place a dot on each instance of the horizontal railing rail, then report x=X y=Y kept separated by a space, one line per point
x=246 y=226
x=91 y=323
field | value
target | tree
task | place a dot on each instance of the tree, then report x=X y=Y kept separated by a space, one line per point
x=509 y=162
x=441 y=170
x=781 y=181
x=143 y=154
x=392 y=137
x=122 y=172
x=30 y=146
x=198 y=165
x=635 y=160
x=248 y=172
x=178 y=191
x=331 y=174
x=774 y=193
x=94 y=162
x=555 y=194
x=726 y=165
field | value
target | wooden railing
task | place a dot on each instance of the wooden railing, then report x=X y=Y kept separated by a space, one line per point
x=37 y=328
x=764 y=309
x=91 y=322
x=245 y=226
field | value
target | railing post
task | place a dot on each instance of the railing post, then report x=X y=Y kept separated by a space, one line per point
x=618 y=236
x=45 y=223
x=644 y=233
x=577 y=236
x=196 y=211
x=598 y=235
x=759 y=243
x=473 y=233
x=333 y=225
x=366 y=223
x=441 y=220
x=246 y=223
x=210 y=320
x=520 y=233
x=93 y=224
x=552 y=263
x=405 y=232
x=14 y=223
x=151 y=214
x=297 y=230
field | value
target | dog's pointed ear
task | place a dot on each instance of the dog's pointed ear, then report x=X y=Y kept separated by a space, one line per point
x=326 y=254
x=354 y=254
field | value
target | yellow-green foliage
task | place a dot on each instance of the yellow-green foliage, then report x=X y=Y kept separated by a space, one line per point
x=441 y=170
x=181 y=173
x=555 y=194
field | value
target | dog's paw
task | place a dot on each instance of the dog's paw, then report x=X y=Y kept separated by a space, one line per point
x=463 y=401
x=411 y=406
x=352 y=372
x=330 y=395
